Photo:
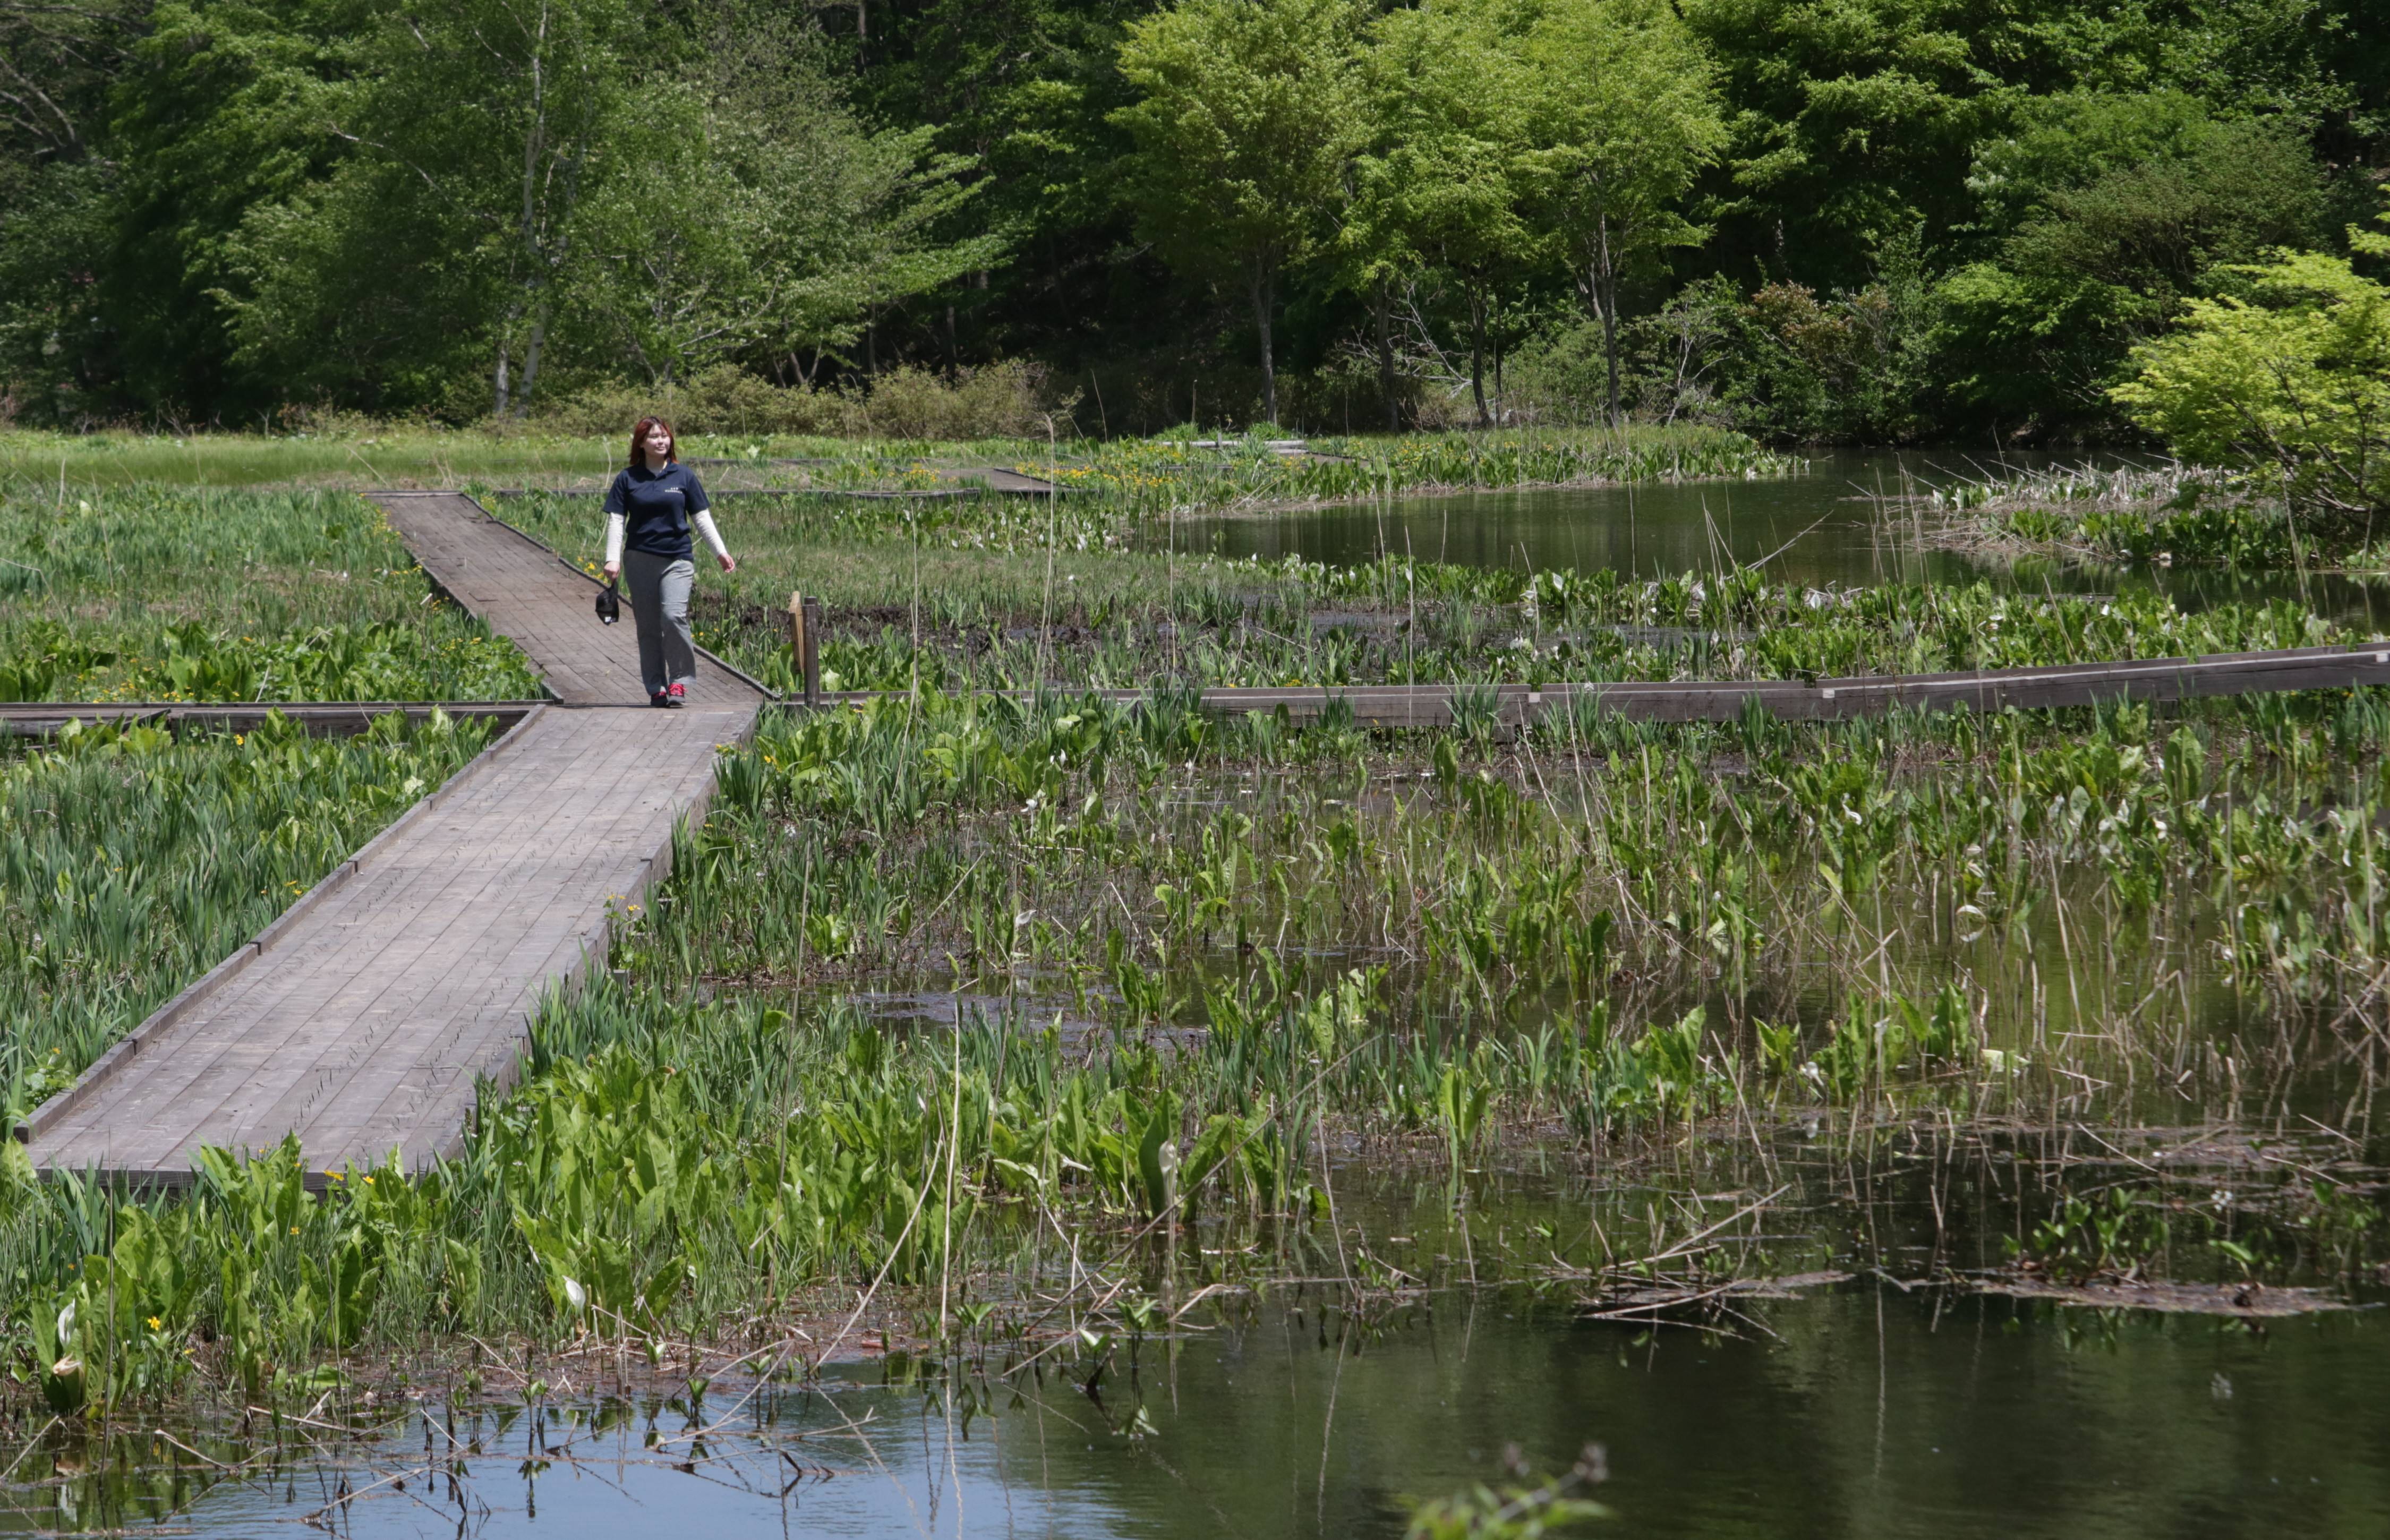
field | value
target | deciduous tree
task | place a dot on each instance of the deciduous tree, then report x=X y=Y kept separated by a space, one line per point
x=2294 y=378
x=1622 y=115
x=1248 y=111
x=1439 y=186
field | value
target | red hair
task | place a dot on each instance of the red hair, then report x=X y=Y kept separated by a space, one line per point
x=639 y=441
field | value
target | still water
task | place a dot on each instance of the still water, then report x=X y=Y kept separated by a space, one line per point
x=1860 y=1412
x=1840 y=523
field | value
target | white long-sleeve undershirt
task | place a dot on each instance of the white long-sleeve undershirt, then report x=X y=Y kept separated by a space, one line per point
x=702 y=518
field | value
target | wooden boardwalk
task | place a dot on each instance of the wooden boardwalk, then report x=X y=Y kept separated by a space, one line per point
x=364 y=1019
x=2040 y=688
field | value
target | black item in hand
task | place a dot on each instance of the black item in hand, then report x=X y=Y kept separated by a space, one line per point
x=609 y=604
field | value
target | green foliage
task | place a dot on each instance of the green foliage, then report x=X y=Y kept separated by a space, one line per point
x=2294 y=379
x=430 y=211
x=1246 y=116
x=2117 y=211
x=216 y=212
x=1439 y=187
x=1625 y=115
x=1117 y=874
x=163 y=592
x=2112 y=1236
x=1867 y=1048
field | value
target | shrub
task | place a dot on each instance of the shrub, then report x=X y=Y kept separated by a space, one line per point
x=998 y=400
x=722 y=400
x=2294 y=380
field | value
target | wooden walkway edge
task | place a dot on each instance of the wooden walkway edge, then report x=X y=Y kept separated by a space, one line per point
x=2039 y=688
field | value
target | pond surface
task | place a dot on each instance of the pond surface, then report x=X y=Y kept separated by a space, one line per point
x=1870 y=1413
x=1840 y=523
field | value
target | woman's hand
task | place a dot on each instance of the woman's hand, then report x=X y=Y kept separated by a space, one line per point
x=613 y=569
x=729 y=562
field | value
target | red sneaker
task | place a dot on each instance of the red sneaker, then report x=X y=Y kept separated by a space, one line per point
x=676 y=697
x=660 y=699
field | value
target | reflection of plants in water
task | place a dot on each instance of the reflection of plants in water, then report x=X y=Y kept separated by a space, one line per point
x=1525 y=1509
x=2337 y=1226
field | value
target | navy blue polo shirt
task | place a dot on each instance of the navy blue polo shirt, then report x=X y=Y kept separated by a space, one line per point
x=656 y=506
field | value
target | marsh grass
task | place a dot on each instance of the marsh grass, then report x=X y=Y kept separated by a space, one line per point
x=177 y=594
x=53 y=465
x=1601 y=940
x=1224 y=971
x=359 y=453
x=959 y=595
x=2165 y=515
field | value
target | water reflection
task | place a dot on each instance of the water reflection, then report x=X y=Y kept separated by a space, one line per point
x=1860 y=1412
x=1833 y=525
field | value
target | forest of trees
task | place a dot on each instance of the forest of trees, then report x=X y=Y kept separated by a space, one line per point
x=1858 y=220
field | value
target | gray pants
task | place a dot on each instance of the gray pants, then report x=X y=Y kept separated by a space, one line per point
x=660 y=587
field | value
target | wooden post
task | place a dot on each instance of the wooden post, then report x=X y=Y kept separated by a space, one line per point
x=797 y=639
x=811 y=616
x=805 y=626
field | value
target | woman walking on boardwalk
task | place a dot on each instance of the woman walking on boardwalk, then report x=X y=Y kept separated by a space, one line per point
x=649 y=512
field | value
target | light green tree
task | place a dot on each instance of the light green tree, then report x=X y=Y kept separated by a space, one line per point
x=2294 y=378
x=774 y=221
x=1439 y=186
x=1247 y=112
x=470 y=135
x=1622 y=114
x=520 y=183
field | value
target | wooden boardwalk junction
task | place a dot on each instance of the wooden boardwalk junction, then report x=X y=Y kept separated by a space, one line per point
x=364 y=1017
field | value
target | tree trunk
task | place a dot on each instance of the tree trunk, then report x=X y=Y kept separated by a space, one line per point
x=531 y=352
x=1382 y=303
x=1264 y=292
x=1478 y=301
x=1610 y=352
x=1605 y=280
x=499 y=382
x=534 y=148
